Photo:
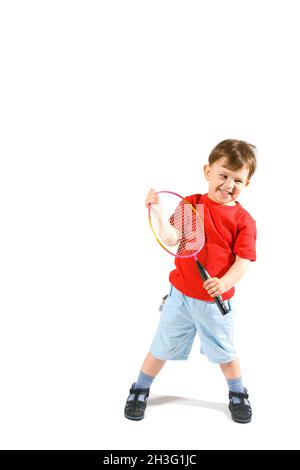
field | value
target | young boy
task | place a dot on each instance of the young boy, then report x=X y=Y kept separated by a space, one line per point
x=227 y=253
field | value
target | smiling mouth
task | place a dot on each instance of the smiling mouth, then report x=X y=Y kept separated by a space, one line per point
x=225 y=192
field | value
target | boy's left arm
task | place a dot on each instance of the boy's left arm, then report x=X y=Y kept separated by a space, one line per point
x=216 y=286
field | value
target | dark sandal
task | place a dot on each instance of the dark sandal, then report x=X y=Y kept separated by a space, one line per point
x=240 y=412
x=135 y=409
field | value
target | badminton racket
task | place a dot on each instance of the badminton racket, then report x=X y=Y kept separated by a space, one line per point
x=178 y=228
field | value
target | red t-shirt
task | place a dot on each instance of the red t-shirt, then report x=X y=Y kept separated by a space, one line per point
x=229 y=231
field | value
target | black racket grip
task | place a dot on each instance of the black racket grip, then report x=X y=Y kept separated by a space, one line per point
x=221 y=304
x=218 y=299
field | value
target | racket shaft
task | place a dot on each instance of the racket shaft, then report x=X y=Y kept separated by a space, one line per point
x=218 y=299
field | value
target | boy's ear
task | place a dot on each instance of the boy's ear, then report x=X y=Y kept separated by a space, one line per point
x=206 y=169
x=247 y=182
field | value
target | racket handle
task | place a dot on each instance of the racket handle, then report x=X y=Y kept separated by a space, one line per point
x=218 y=299
x=221 y=304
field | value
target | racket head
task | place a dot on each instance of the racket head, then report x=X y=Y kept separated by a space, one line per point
x=177 y=225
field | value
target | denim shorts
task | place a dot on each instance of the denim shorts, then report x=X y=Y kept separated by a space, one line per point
x=182 y=317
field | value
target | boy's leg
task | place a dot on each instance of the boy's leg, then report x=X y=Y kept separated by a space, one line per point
x=137 y=401
x=239 y=405
x=152 y=365
x=231 y=370
x=150 y=368
x=173 y=340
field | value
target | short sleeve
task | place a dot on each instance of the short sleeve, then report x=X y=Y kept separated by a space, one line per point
x=245 y=243
x=177 y=218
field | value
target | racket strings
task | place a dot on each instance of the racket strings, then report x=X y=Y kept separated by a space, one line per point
x=178 y=229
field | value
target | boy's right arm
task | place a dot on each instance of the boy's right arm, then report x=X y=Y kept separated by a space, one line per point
x=164 y=228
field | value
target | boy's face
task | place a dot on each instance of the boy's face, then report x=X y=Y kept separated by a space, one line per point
x=225 y=185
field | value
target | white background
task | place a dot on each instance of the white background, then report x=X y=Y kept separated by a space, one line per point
x=101 y=100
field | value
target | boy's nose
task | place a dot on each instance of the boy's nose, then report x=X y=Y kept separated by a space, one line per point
x=229 y=183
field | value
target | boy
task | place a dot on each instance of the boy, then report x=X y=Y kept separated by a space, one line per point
x=227 y=253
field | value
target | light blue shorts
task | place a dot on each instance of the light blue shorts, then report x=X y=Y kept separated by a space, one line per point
x=182 y=317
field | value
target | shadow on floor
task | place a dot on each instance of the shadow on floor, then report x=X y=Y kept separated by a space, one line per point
x=165 y=400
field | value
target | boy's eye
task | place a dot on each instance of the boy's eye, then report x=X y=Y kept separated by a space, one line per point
x=239 y=181
x=223 y=176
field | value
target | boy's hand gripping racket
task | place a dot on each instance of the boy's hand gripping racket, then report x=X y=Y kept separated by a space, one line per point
x=178 y=228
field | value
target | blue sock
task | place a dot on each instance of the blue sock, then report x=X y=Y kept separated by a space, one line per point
x=236 y=385
x=143 y=381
